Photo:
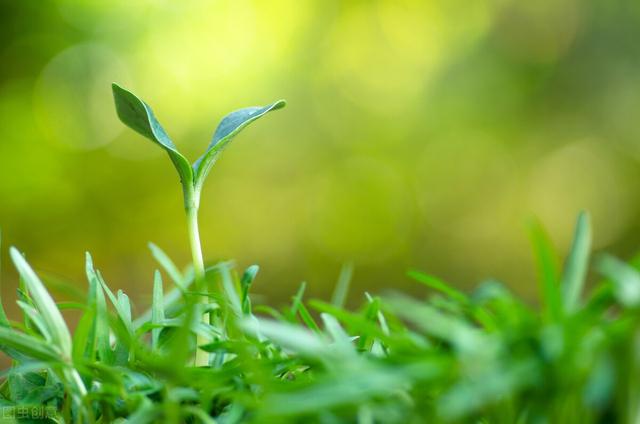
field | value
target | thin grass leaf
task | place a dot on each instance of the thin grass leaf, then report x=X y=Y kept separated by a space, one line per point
x=168 y=265
x=357 y=323
x=575 y=270
x=288 y=336
x=28 y=345
x=123 y=349
x=351 y=386
x=548 y=270
x=296 y=301
x=124 y=308
x=341 y=291
x=246 y=281
x=372 y=313
x=101 y=336
x=307 y=318
x=66 y=306
x=340 y=337
x=84 y=343
x=625 y=278
x=438 y=285
x=121 y=304
x=229 y=287
x=157 y=309
x=36 y=318
x=103 y=342
x=4 y=321
x=50 y=313
x=381 y=319
x=23 y=296
x=437 y=324
x=171 y=301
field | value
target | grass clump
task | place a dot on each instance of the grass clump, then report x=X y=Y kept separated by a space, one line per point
x=204 y=352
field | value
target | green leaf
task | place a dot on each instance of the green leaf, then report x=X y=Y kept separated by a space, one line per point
x=157 y=309
x=137 y=115
x=245 y=284
x=168 y=265
x=439 y=285
x=27 y=345
x=103 y=342
x=84 y=337
x=340 y=338
x=4 y=321
x=101 y=324
x=340 y=292
x=229 y=287
x=288 y=336
x=548 y=269
x=625 y=278
x=575 y=270
x=121 y=304
x=49 y=311
x=437 y=324
x=228 y=128
x=36 y=318
x=307 y=318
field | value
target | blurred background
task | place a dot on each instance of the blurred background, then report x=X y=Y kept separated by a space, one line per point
x=418 y=134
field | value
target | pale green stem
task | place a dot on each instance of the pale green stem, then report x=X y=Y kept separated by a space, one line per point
x=192 y=200
x=196 y=249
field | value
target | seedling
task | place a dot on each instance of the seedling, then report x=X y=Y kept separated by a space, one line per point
x=137 y=115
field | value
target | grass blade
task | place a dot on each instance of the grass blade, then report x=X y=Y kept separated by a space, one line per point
x=50 y=313
x=438 y=285
x=575 y=270
x=168 y=265
x=288 y=336
x=625 y=278
x=548 y=271
x=28 y=345
x=339 y=297
x=245 y=284
x=4 y=321
x=229 y=287
x=157 y=309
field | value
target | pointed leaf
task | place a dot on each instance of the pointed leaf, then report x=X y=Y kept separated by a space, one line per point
x=548 y=270
x=439 y=285
x=625 y=278
x=36 y=318
x=341 y=291
x=575 y=270
x=49 y=311
x=27 y=345
x=288 y=336
x=157 y=309
x=137 y=115
x=245 y=283
x=168 y=265
x=229 y=287
x=340 y=338
x=101 y=324
x=4 y=321
x=228 y=128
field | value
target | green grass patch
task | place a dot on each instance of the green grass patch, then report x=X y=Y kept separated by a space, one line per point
x=204 y=352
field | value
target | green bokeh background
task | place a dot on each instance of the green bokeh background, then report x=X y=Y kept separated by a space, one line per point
x=418 y=134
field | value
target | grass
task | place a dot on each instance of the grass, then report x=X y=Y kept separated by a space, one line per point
x=204 y=352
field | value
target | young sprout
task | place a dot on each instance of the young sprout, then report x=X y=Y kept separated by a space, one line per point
x=137 y=115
